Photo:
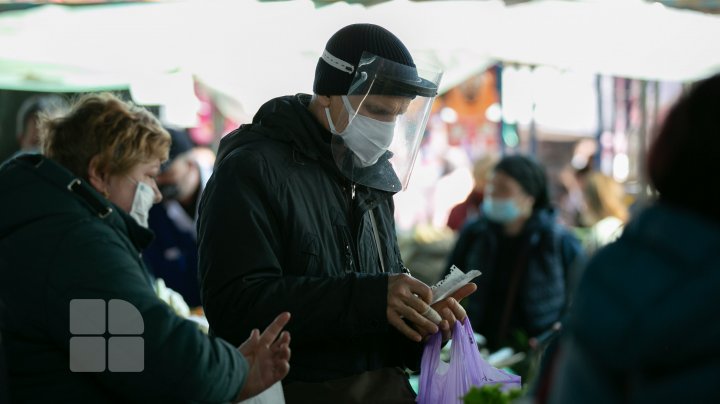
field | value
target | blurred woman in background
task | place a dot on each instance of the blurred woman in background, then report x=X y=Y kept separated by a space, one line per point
x=605 y=212
x=526 y=257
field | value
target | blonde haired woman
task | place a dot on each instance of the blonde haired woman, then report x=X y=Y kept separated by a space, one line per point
x=82 y=320
x=605 y=210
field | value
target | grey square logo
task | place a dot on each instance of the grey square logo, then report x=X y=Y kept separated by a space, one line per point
x=88 y=347
x=124 y=318
x=87 y=316
x=87 y=354
x=126 y=354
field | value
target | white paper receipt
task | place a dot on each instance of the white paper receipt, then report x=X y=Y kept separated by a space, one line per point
x=452 y=282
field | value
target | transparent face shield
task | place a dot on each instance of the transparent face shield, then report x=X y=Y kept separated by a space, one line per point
x=377 y=135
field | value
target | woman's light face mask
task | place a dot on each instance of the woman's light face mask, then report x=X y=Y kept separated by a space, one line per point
x=505 y=200
x=121 y=188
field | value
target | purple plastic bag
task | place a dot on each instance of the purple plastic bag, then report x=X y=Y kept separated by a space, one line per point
x=447 y=383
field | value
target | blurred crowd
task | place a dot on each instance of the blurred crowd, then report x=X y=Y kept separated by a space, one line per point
x=608 y=300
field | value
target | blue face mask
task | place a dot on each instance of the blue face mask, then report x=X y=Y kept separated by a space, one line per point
x=500 y=210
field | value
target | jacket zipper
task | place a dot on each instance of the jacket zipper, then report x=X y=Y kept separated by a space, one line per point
x=376 y=236
x=349 y=253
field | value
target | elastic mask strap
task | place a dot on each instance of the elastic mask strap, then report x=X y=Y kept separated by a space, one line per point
x=348 y=107
x=330 y=122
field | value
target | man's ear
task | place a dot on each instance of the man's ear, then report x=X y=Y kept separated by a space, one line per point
x=95 y=176
x=323 y=100
x=317 y=106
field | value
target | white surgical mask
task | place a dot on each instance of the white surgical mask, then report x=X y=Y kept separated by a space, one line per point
x=142 y=202
x=368 y=138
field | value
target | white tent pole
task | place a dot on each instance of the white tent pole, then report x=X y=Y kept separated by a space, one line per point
x=533 y=121
x=655 y=126
x=656 y=109
x=499 y=84
x=642 y=145
x=600 y=122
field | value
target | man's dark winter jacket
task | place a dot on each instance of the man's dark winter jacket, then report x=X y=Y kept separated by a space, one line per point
x=544 y=257
x=58 y=244
x=281 y=229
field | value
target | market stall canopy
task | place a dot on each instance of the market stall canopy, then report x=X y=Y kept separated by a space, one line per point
x=61 y=48
x=55 y=48
x=628 y=38
x=246 y=52
x=274 y=50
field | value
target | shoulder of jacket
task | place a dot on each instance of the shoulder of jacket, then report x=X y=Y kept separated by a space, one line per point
x=266 y=164
x=89 y=229
x=70 y=236
x=476 y=230
x=259 y=153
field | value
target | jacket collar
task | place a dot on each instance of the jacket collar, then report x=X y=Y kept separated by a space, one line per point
x=305 y=133
x=288 y=119
x=660 y=224
x=84 y=193
x=285 y=119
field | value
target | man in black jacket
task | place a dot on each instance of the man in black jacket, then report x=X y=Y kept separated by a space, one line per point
x=298 y=216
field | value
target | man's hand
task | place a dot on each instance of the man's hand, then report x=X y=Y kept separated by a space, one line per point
x=408 y=298
x=450 y=309
x=268 y=357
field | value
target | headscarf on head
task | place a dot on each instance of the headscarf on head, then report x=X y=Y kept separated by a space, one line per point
x=530 y=175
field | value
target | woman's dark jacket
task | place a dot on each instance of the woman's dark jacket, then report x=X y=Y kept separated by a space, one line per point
x=532 y=293
x=62 y=243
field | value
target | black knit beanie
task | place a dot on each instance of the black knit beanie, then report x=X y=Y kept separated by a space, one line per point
x=530 y=175
x=348 y=45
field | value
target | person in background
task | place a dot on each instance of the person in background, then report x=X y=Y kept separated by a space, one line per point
x=569 y=192
x=172 y=255
x=28 y=133
x=299 y=214
x=70 y=265
x=605 y=212
x=526 y=257
x=644 y=326
x=471 y=207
